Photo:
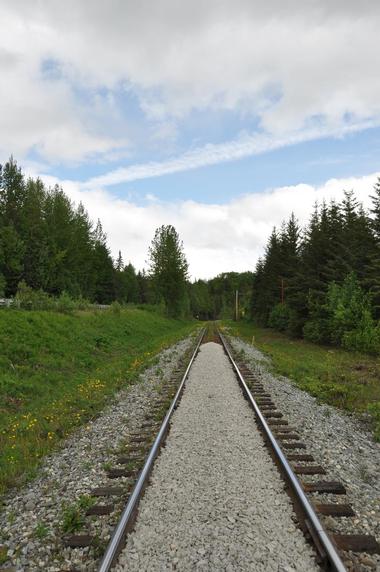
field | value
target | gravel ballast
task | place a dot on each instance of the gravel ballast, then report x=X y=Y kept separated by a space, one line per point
x=31 y=518
x=216 y=500
x=340 y=442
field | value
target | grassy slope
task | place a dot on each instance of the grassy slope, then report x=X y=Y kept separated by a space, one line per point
x=345 y=379
x=57 y=371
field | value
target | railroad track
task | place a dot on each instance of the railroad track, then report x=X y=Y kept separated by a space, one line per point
x=288 y=451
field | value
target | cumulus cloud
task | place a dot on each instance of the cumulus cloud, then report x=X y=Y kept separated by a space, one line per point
x=292 y=65
x=217 y=237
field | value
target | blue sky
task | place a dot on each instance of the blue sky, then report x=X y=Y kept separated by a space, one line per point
x=201 y=114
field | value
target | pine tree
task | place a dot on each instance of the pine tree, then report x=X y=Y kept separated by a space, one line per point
x=104 y=291
x=168 y=269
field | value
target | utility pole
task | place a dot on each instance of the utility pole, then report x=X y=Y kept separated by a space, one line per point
x=236 y=305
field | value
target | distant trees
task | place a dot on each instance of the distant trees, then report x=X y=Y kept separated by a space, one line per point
x=49 y=244
x=324 y=282
x=169 y=270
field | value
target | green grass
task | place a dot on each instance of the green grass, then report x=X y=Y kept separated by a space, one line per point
x=349 y=380
x=58 y=371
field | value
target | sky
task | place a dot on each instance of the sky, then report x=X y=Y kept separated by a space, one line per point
x=219 y=117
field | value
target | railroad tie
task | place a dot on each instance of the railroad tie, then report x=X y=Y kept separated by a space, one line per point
x=357 y=543
x=78 y=540
x=337 y=510
x=325 y=487
x=108 y=491
x=309 y=470
x=99 y=509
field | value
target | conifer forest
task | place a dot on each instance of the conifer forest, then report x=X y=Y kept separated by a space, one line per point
x=320 y=282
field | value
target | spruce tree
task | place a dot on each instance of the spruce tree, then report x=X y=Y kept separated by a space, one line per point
x=169 y=269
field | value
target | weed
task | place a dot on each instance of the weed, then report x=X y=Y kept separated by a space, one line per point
x=72 y=519
x=85 y=502
x=3 y=554
x=41 y=531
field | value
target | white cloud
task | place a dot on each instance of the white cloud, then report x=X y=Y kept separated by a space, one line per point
x=216 y=237
x=244 y=146
x=291 y=64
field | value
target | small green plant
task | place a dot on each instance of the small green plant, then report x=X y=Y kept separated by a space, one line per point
x=107 y=466
x=72 y=519
x=85 y=502
x=65 y=303
x=41 y=531
x=3 y=554
x=116 y=308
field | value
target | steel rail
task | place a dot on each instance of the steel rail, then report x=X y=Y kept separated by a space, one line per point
x=115 y=545
x=332 y=555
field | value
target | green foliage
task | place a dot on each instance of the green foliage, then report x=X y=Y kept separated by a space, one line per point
x=280 y=317
x=345 y=319
x=374 y=410
x=168 y=269
x=58 y=370
x=41 y=531
x=116 y=308
x=2 y=285
x=73 y=519
x=349 y=380
x=51 y=245
x=29 y=299
x=328 y=276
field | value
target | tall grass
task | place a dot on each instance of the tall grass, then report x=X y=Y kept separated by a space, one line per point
x=58 y=370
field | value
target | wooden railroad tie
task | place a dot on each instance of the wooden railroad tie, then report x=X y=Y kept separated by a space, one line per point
x=108 y=491
x=99 y=509
x=357 y=543
x=337 y=510
x=322 y=487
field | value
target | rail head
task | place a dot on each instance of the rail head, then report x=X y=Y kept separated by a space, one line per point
x=318 y=533
x=127 y=517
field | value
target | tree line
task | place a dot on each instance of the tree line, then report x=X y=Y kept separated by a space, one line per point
x=50 y=245
x=323 y=282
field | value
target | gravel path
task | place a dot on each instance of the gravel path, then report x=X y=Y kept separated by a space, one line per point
x=216 y=501
x=339 y=441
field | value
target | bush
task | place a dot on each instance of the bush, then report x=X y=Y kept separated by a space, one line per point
x=116 y=308
x=65 y=303
x=365 y=338
x=344 y=318
x=280 y=317
x=29 y=299
x=2 y=285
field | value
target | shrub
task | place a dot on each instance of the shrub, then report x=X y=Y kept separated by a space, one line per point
x=29 y=299
x=279 y=318
x=65 y=303
x=366 y=337
x=116 y=308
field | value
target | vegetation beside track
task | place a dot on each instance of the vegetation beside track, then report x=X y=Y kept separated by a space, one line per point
x=58 y=371
x=349 y=380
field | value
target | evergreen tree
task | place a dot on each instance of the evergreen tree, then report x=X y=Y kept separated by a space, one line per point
x=131 y=284
x=168 y=268
x=104 y=291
